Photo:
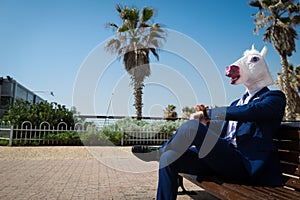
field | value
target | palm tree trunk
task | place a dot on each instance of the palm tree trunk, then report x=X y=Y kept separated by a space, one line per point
x=138 y=92
x=287 y=89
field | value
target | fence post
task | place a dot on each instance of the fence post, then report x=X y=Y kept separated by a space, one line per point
x=11 y=135
x=122 y=139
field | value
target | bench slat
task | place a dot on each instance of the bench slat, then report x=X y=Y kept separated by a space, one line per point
x=292 y=182
x=249 y=191
x=216 y=189
x=258 y=192
x=290 y=168
x=276 y=193
x=289 y=156
x=234 y=191
x=288 y=134
x=290 y=193
x=287 y=145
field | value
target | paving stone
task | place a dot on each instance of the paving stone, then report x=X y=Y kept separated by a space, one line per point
x=78 y=173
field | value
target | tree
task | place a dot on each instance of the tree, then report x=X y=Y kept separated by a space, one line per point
x=134 y=40
x=295 y=85
x=279 y=19
x=170 y=112
x=53 y=113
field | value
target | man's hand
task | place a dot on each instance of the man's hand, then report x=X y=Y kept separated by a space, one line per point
x=200 y=107
x=201 y=114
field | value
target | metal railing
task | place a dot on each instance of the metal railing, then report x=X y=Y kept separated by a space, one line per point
x=44 y=134
x=103 y=121
x=144 y=137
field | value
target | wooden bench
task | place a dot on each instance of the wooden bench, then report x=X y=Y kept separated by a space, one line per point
x=288 y=143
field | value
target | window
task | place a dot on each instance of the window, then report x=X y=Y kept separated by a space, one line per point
x=7 y=89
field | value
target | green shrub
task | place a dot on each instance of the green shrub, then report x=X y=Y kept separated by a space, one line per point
x=131 y=125
x=4 y=142
x=113 y=135
x=90 y=139
x=64 y=138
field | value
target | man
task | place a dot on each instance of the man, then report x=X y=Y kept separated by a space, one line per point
x=242 y=150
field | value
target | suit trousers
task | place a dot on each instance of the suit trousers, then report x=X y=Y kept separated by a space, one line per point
x=181 y=155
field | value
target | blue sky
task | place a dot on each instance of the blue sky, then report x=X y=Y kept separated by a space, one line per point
x=45 y=43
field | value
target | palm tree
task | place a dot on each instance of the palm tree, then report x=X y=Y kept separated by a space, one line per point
x=170 y=112
x=297 y=79
x=134 y=40
x=279 y=19
x=295 y=86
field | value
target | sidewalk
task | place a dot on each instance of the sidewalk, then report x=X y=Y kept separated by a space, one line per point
x=78 y=173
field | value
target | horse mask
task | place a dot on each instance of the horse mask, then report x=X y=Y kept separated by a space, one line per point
x=251 y=70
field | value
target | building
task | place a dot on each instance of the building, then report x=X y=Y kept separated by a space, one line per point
x=10 y=90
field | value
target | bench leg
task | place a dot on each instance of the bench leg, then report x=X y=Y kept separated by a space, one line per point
x=184 y=191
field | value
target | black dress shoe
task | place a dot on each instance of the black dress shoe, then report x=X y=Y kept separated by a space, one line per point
x=146 y=153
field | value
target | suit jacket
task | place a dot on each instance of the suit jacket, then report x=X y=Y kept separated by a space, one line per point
x=257 y=121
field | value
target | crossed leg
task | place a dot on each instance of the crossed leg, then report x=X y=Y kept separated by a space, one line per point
x=181 y=155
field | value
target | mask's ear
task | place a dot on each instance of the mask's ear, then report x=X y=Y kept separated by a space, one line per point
x=263 y=52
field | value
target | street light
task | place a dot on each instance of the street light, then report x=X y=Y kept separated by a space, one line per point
x=49 y=92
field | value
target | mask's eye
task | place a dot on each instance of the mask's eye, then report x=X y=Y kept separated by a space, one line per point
x=254 y=59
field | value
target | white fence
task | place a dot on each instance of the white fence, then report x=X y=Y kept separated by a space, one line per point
x=6 y=133
x=81 y=133
x=27 y=134
x=144 y=137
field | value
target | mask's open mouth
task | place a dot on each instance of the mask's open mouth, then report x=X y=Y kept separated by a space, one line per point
x=233 y=72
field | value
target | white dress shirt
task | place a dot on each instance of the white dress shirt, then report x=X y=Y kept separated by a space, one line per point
x=230 y=134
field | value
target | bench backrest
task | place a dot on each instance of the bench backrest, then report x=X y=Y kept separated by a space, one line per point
x=288 y=142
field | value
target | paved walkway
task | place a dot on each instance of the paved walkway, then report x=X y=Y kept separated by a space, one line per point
x=78 y=173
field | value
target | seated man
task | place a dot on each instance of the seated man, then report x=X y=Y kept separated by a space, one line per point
x=241 y=150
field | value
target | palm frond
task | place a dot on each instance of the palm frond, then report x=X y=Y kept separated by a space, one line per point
x=154 y=43
x=113 y=45
x=112 y=25
x=283 y=38
x=147 y=14
x=154 y=34
x=122 y=51
x=130 y=16
x=255 y=3
x=153 y=51
x=268 y=34
x=119 y=8
x=144 y=25
x=295 y=20
x=124 y=28
x=285 y=20
x=268 y=2
x=157 y=27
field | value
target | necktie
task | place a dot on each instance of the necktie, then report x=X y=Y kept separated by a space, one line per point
x=244 y=98
x=232 y=124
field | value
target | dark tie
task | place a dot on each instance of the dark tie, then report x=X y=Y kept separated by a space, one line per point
x=244 y=97
x=231 y=132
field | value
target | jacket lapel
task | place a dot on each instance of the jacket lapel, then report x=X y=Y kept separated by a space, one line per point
x=260 y=92
x=225 y=125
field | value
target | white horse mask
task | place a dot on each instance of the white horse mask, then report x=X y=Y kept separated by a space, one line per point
x=251 y=70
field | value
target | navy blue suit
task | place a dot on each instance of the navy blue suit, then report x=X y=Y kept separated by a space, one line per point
x=254 y=160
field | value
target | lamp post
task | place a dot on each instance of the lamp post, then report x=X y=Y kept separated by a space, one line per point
x=49 y=92
x=109 y=104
